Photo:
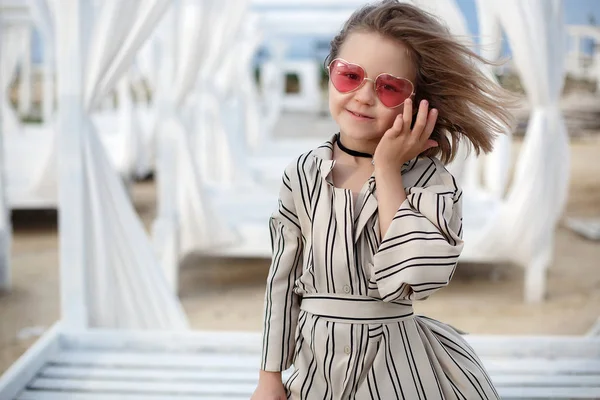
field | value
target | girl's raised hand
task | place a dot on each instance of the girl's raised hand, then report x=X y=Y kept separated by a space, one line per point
x=399 y=144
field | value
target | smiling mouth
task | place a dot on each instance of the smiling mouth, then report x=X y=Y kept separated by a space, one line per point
x=359 y=115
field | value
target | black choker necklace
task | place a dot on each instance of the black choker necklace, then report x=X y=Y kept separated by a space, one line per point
x=350 y=151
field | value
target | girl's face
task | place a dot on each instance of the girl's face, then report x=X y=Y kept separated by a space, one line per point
x=360 y=114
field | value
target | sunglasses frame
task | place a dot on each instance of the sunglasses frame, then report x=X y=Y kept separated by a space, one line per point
x=412 y=93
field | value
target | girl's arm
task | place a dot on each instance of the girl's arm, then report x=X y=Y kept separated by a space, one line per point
x=421 y=226
x=282 y=305
x=421 y=237
x=390 y=195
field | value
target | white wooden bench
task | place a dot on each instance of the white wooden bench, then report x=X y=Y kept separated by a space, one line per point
x=128 y=365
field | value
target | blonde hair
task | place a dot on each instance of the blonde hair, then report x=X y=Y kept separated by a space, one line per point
x=470 y=105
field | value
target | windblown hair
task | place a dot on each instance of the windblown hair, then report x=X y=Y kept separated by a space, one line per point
x=449 y=75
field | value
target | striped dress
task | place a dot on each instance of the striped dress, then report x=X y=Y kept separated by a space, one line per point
x=338 y=302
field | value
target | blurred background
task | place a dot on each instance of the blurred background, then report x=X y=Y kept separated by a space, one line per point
x=209 y=109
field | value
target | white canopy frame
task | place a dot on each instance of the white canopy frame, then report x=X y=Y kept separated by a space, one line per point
x=109 y=276
x=5 y=224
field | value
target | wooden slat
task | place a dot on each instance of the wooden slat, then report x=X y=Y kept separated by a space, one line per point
x=142 y=387
x=535 y=346
x=37 y=395
x=108 y=365
x=155 y=374
x=498 y=366
x=250 y=342
x=158 y=360
x=248 y=362
x=549 y=393
x=159 y=374
x=178 y=341
x=506 y=394
x=26 y=367
x=547 y=380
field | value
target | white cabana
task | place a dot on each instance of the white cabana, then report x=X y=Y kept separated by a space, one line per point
x=109 y=275
x=528 y=216
x=30 y=149
x=185 y=220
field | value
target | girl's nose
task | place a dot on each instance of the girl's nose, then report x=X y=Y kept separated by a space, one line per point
x=366 y=93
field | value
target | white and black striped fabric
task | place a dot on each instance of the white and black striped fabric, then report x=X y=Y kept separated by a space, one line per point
x=338 y=304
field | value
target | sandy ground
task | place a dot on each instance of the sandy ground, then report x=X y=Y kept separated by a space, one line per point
x=228 y=294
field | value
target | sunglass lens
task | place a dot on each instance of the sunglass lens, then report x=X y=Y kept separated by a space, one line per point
x=345 y=77
x=393 y=91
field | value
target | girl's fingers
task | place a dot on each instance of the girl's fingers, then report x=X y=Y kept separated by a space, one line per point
x=430 y=124
x=407 y=113
x=396 y=128
x=421 y=120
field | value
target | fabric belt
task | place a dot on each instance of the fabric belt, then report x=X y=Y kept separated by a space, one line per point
x=355 y=309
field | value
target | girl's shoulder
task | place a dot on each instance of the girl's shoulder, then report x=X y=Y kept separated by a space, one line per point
x=311 y=164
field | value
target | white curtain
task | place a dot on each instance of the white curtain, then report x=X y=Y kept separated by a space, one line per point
x=216 y=150
x=25 y=72
x=537 y=37
x=103 y=243
x=194 y=38
x=235 y=91
x=495 y=173
x=11 y=35
x=536 y=33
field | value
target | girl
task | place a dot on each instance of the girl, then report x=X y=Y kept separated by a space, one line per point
x=371 y=220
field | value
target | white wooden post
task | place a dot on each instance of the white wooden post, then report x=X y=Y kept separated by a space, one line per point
x=5 y=228
x=71 y=193
x=577 y=49
x=126 y=122
x=24 y=103
x=5 y=225
x=165 y=230
x=48 y=82
x=273 y=89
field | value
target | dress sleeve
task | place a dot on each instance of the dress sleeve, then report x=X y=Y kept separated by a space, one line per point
x=420 y=249
x=282 y=305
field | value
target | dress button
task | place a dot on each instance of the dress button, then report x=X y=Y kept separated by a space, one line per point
x=347 y=349
x=346 y=289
